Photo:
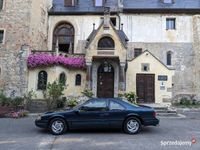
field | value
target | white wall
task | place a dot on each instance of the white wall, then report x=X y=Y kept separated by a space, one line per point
x=83 y=26
x=152 y=28
x=146 y=28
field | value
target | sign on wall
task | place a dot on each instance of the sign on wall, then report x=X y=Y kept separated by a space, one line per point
x=162 y=78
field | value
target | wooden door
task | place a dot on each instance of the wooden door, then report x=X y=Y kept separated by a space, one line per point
x=105 y=85
x=105 y=81
x=145 y=84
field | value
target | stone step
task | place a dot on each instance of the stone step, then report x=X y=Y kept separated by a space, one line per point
x=157 y=106
x=167 y=114
x=163 y=110
x=166 y=111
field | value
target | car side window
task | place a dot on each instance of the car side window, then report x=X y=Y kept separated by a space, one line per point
x=95 y=105
x=116 y=106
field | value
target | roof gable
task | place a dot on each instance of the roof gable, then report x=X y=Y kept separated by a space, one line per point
x=119 y=33
x=144 y=53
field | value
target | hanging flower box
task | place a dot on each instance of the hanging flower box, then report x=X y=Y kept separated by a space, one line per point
x=45 y=60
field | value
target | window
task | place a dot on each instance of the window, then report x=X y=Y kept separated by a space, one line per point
x=62 y=78
x=78 y=80
x=42 y=80
x=145 y=67
x=98 y=3
x=1 y=36
x=1 y=4
x=106 y=43
x=116 y=106
x=64 y=38
x=106 y=68
x=170 y=23
x=169 y=58
x=113 y=20
x=69 y=3
x=95 y=105
x=137 y=52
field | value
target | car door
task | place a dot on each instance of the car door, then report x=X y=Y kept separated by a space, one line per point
x=117 y=114
x=93 y=114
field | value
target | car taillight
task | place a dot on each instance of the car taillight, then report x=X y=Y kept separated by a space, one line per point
x=154 y=114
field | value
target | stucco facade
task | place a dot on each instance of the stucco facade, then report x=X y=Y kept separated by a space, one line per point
x=163 y=89
x=53 y=74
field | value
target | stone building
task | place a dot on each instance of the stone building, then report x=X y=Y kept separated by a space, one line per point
x=148 y=47
x=23 y=26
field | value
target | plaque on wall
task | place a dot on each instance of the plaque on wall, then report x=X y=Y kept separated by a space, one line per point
x=162 y=78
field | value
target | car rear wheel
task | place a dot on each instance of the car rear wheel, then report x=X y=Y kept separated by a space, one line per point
x=132 y=125
x=57 y=126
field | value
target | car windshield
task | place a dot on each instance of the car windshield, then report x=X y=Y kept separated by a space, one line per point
x=130 y=103
x=80 y=104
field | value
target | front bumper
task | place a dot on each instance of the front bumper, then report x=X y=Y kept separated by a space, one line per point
x=41 y=123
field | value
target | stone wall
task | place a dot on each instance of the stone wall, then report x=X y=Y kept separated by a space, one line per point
x=196 y=46
x=20 y=20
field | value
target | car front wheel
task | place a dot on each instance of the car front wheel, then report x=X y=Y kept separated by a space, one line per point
x=57 y=126
x=132 y=125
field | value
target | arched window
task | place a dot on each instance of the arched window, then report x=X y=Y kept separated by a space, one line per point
x=169 y=58
x=63 y=38
x=106 y=43
x=78 y=80
x=42 y=80
x=62 y=78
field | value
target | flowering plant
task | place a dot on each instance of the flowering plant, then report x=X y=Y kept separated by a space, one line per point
x=42 y=60
x=18 y=114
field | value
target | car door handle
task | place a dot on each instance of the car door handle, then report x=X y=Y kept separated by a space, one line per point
x=104 y=114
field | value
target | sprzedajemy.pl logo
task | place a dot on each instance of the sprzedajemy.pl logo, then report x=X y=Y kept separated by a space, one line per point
x=178 y=142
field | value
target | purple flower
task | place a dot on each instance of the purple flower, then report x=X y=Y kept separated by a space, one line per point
x=44 y=60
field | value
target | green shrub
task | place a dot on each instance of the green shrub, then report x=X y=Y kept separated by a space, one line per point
x=88 y=93
x=72 y=102
x=53 y=94
x=185 y=101
x=4 y=101
x=61 y=102
x=130 y=96
x=17 y=101
x=28 y=97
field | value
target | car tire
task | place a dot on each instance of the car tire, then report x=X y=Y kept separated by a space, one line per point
x=132 y=125
x=57 y=126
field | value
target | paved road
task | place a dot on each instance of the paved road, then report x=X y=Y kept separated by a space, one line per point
x=21 y=134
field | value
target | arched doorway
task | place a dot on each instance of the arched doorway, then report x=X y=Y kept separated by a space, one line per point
x=105 y=83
